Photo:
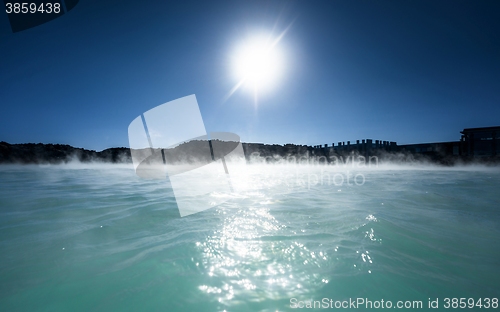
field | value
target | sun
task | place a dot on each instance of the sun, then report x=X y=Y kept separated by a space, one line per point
x=258 y=63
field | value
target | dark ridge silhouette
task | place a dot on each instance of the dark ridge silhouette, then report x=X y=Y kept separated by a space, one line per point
x=195 y=151
x=30 y=153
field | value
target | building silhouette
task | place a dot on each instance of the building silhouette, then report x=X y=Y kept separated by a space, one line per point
x=474 y=143
x=480 y=142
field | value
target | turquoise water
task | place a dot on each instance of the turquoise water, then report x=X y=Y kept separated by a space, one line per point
x=98 y=238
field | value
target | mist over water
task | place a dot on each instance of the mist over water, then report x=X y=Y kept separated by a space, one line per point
x=96 y=237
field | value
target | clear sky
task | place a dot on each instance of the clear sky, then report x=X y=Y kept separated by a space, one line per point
x=404 y=71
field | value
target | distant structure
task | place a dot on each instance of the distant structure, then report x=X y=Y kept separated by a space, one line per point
x=364 y=147
x=474 y=143
x=433 y=149
x=480 y=142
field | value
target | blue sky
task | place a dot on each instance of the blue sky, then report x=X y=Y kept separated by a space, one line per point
x=405 y=71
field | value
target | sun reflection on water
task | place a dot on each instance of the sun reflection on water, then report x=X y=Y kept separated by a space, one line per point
x=253 y=256
x=262 y=250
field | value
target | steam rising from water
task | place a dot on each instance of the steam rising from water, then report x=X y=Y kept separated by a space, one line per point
x=408 y=232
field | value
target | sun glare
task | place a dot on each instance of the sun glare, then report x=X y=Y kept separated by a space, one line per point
x=258 y=63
